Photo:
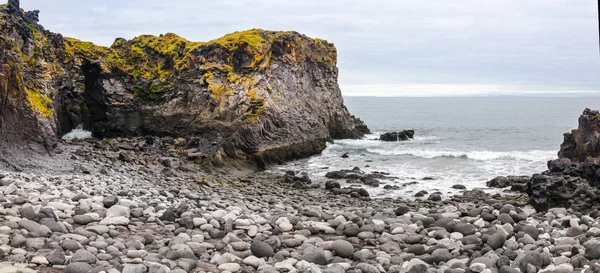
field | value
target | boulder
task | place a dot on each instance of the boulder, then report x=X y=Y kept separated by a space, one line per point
x=507 y=181
x=397 y=136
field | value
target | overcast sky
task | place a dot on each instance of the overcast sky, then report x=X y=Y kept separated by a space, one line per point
x=385 y=47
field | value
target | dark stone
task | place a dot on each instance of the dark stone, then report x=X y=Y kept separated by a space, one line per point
x=465 y=229
x=168 y=215
x=459 y=187
x=401 y=210
x=28 y=213
x=435 y=197
x=507 y=181
x=260 y=249
x=110 y=201
x=496 y=240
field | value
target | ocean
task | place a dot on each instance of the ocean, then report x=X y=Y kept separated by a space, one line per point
x=466 y=141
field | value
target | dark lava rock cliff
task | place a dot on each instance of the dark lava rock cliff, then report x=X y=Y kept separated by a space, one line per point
x=573 y=180
x=584 y=141
x=262 y=95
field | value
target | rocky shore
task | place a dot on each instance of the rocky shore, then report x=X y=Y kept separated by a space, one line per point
x=100 y=214
x=174 y=185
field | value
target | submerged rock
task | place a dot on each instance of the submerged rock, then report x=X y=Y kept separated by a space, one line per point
x=398 y=136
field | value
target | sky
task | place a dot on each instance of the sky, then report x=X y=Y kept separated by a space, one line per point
x=385 y=47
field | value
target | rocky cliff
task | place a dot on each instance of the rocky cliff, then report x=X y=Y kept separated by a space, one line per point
x=584 y=141
x=573 y=180
x=270 y=96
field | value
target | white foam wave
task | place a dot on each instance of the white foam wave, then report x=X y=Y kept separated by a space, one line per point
x=532 y=155
x=373 y=140
x=77 y=133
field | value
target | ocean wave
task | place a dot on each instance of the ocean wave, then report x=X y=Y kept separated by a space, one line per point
x=373 y=141
x=77 y=133
x=532 y=155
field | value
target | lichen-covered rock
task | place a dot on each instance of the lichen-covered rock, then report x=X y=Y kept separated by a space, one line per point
x=262 y=95
x=584 y=141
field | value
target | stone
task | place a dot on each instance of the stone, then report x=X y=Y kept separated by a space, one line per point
x=496 y=240
x=118 y=211
x=401 y=210
x=78 y=267
x=465 y=229
x=314 y=255
x=28 y=213
x=83 y=256
x=53 y=225
x=40 y=260
x=367 y=268
x=110 y=201
x=134 y=268
x=441 y=255
x=56 y=257
x=98 y=229
x=477 y=267
x=261 y=249
x=35 y=228
x=592 y=252
x=82 y=219
x=342 y=248
x=231 y=267
x=168 y=215
x=254 y=261
x=71 y=245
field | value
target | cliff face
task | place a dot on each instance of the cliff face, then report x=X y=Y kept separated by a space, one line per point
x=584 y=141
x=271 y=96
x=31 y=73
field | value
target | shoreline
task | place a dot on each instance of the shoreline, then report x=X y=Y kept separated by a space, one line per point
x=131 y=217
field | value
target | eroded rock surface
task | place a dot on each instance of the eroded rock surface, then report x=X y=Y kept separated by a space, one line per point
x=584 y=141
x=262 y=95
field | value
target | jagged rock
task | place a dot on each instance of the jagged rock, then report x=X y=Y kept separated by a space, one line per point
x=584 y=141
x=507 y=181
x=547 y=192
x=14 y=5
x=398 y=136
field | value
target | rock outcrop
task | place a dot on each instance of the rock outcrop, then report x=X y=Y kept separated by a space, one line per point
x=584 y=141
x=573 y=180
x=398 y=136
x=262 y=95
x=567 y=184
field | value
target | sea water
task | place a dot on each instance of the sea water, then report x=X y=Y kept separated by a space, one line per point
x=465 y=141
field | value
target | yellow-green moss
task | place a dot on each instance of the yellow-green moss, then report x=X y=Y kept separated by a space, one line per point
x=251 y=37
x=85 y=49
x=40 y=103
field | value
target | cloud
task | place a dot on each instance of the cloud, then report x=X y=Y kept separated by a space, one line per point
x=526 y=46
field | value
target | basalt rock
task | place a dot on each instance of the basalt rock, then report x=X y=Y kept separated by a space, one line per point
x=566 y=184
x=262 y=95
x=398 y=136
x=507 y=181
x=584 y=141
